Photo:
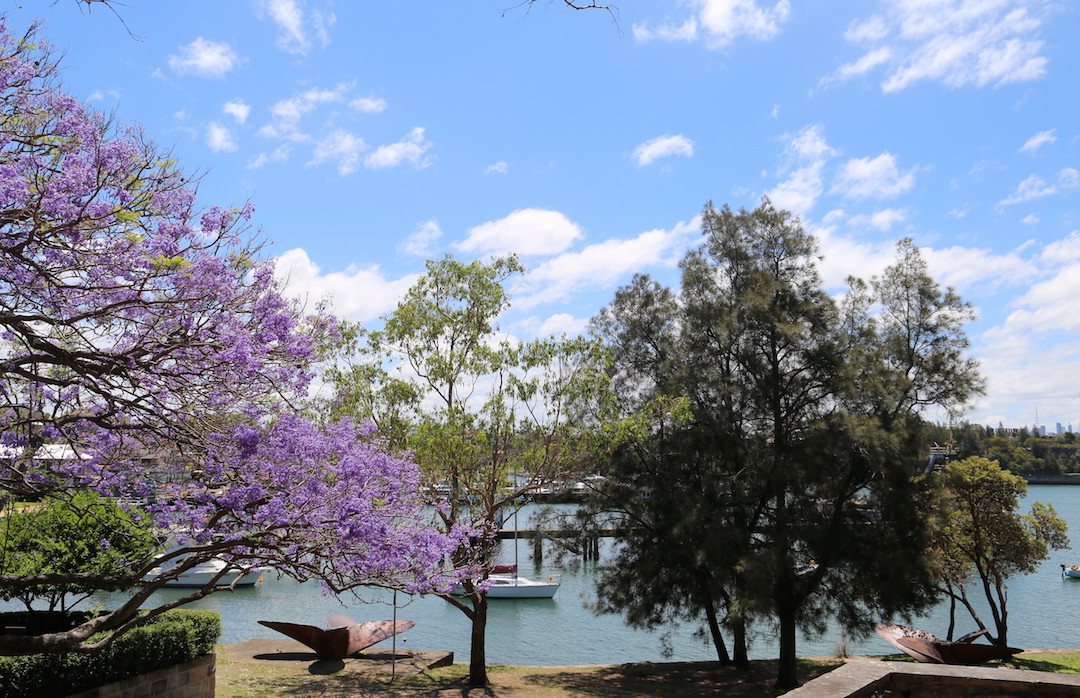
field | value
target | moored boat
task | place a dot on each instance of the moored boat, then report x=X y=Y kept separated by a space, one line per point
x=1070 y=571
x=204 y=573
x=505 y=586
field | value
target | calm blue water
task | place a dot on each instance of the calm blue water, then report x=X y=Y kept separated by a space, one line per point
x=1044 y=612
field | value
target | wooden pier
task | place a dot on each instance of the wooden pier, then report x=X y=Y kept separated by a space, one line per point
x=530 y=533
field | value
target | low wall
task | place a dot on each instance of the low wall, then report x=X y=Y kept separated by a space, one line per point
x=867 y=678
x=194 y=679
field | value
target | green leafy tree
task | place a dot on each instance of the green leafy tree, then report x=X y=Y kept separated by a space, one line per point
x=1011 y=455
x=979 y=535
x=488 y=419
x=84 y=534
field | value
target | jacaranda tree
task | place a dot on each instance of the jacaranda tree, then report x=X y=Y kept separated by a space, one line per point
x=147 y=353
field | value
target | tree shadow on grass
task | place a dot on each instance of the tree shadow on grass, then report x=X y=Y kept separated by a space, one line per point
x=642 y=679
x=676 y=678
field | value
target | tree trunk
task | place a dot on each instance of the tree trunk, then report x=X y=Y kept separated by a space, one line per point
x=738 y=630
x=714 y=629
x=787 y=673
x=477 y=652
x=952 y=614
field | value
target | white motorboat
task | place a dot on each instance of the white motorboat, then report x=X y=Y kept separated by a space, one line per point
x=201 y=574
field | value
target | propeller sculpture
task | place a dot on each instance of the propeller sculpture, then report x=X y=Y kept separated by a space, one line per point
x=925 y=647
x=342 y=637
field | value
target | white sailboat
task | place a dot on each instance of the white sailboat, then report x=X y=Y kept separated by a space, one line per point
x=511 y=586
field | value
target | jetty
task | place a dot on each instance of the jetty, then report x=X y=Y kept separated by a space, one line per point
x=529 y=533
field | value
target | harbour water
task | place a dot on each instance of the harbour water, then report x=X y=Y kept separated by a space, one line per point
x=1044 y=612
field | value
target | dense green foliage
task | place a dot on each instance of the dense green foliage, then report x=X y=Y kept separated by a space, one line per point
x=172 y=638
x=84 y=533
x=1015 y=450
x=980 y=535
x=789 y=497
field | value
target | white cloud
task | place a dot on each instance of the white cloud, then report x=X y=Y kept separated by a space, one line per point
x=719 y=22
x=342 y=147
x=1030 y=219
x=237 y=110
x=279 y=154
x=207 y=59
x=662 y=147
x=956 y=42
x=219 y=139
x=409 y=149
x=562 y=323
x=500 y=167
x=290 y=19
x=800 y=191
x=102 y=95
x=1050 y=304
x=1037 y=141
x=867 y=62
x=293 y=25
x=882 y=220
x=809 y=144
x=368 y=105
x=802 y=164
x=295 y=120
x=1069 y=178
x=1061 y=251
x=604 y=264
x=358 y=294
x=843 y=256
x=687 y=31
x=878 y=178
x=525 y=232
x=1026 y=356
x=1033 y=187
x=869 y=30
x=287 y=113
x=420 y=241
x=975 y=268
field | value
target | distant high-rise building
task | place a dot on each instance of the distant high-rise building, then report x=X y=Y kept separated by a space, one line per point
x=1058 y=428
x=1042 y=430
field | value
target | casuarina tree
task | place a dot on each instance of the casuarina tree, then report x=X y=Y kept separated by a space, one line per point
x=789 y=496
x=147 y=353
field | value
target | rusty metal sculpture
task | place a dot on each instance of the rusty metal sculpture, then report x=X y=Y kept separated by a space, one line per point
x=342 y=637
x=925 y=647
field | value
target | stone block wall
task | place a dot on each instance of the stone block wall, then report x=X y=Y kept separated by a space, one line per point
x=194 y=679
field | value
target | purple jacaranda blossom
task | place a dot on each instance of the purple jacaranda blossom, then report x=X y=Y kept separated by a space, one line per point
x=147 y=351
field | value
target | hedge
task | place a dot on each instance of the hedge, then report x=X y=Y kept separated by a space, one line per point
x=174 y=637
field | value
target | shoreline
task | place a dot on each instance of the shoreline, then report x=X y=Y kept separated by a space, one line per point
x=1062 y=479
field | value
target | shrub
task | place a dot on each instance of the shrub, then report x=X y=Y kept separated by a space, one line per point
x=172 y=638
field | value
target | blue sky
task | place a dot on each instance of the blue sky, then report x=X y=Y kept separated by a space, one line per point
x=372 y=135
